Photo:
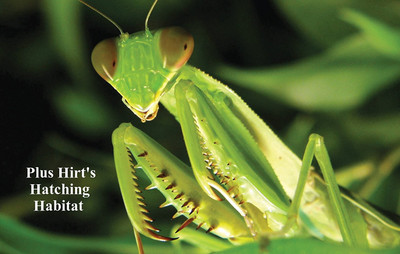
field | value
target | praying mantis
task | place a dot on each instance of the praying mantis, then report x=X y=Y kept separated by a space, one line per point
x=247 y=184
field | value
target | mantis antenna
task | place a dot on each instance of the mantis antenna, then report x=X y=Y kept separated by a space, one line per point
x=105 y=16
x=146 y=27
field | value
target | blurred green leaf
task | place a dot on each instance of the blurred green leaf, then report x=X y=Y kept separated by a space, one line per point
x=245 y=248
x=83 y=112
x=318 y=20
x=16 y=237
x=381 y=130
x=22 y=239
x=66 y=34
x=341 y=78
x=301 y=246
x=385 y=169
x=297 y=134
x=381 y=36
x=352 y=175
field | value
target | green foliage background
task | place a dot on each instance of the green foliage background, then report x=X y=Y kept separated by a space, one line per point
x=330 y=67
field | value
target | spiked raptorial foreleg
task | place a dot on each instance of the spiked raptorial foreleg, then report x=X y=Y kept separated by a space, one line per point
x=132 y=150
x=225 y=158
x=126 y=171
x=251 y=129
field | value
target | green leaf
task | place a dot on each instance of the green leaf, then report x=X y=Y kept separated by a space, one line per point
x=16 y=238
x=382 y=37
x=245 y=248
x=301 y=246
x=83 y=112
x=340 y=78
x=318 y=20
x=383 y=129
x=67 y=38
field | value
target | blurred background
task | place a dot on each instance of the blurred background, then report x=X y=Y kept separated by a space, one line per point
x=330 y=67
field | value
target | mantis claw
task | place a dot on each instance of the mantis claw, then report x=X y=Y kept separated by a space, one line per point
x=160 y=237
x=185 y=224
x=133 y=150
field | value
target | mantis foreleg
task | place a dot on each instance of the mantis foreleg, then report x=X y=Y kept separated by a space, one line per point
x=134 y=150
x=222 y=151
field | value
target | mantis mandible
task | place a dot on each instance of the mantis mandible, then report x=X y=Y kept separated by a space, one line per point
x=235 y=156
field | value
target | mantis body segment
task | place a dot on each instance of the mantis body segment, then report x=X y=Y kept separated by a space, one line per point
x=268 y=190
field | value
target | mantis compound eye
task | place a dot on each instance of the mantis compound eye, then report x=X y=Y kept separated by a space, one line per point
x=104 y=58
x=176 y=47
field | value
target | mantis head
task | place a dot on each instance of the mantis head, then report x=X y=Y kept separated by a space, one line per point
x=143 y=66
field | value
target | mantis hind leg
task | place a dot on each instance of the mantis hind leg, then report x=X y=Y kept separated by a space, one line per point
x=341 y=210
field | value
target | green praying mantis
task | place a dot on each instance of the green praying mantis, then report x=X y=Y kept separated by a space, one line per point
x=247 y=184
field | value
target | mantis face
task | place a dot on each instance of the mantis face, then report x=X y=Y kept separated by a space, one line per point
x=143 y=66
